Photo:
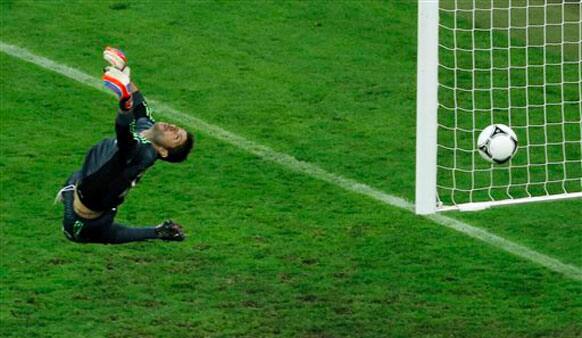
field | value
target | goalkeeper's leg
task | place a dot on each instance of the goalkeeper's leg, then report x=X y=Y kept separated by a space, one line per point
x=119 y=233
x=101 y=229
x=104 y=230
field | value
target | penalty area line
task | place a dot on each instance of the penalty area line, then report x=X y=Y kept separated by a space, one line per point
x=312 y=170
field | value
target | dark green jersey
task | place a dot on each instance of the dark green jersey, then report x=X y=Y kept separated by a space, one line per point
x=114 y=165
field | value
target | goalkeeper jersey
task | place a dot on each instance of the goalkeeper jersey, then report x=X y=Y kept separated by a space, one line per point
x=114 y=165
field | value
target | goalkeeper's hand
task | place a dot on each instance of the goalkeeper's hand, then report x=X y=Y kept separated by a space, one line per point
x=120 y=84
x=115 y=58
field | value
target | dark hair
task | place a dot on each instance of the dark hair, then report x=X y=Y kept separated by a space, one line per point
x=180 y=153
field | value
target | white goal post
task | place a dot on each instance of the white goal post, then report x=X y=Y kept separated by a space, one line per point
x=480 y=62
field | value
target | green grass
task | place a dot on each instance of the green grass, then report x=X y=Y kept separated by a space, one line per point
x=270 y=252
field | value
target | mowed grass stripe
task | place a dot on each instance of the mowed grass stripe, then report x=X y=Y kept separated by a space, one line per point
x=309 y=169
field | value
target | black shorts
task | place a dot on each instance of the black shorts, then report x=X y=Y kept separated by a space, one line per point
x=79 y=229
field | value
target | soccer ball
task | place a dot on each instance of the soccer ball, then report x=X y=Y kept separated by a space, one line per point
x=497 y=143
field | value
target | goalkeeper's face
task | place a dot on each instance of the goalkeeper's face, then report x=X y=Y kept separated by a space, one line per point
x=168 y=135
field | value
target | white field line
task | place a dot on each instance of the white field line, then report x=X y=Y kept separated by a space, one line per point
x=308 y=169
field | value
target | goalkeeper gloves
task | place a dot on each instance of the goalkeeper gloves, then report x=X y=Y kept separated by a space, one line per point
x=120 y=84
x=115 y=57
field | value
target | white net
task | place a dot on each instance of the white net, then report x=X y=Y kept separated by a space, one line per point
x=516 y=62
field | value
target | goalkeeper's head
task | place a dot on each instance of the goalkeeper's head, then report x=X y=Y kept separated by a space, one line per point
x=172 y=143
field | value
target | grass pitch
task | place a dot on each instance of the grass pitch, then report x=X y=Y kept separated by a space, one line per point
x=270 y=252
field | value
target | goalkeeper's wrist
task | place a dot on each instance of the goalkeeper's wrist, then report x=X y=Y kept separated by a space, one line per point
x=126 y=103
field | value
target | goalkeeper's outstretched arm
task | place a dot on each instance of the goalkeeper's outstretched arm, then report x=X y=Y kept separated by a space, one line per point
x=120 y=84
x=116 y=78
x=118 y=60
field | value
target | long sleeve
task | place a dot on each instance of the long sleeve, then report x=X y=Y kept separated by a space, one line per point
x=125 y=139
x=141 y=108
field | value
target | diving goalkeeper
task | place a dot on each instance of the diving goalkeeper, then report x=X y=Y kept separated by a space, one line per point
x=113 y=166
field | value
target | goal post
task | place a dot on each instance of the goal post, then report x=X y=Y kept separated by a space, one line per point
x=515 y=62
x=426 y=107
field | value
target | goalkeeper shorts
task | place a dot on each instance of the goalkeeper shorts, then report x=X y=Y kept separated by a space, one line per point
x=76 y=228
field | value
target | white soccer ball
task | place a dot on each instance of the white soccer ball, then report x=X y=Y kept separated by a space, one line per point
x=497 y=143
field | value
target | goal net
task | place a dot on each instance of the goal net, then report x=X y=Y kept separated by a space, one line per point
x=515 y=62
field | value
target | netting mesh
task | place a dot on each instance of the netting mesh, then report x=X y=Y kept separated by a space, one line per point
x=516 y=62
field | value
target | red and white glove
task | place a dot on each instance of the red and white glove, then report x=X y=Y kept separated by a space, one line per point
x=120 y=84
x=115 y=58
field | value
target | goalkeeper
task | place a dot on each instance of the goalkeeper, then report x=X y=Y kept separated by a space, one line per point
x=111 y=167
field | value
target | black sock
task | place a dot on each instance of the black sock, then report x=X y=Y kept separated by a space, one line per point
x=121 y=234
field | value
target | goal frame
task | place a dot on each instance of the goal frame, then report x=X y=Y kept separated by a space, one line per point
x=426 y=199
x=427 y=107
